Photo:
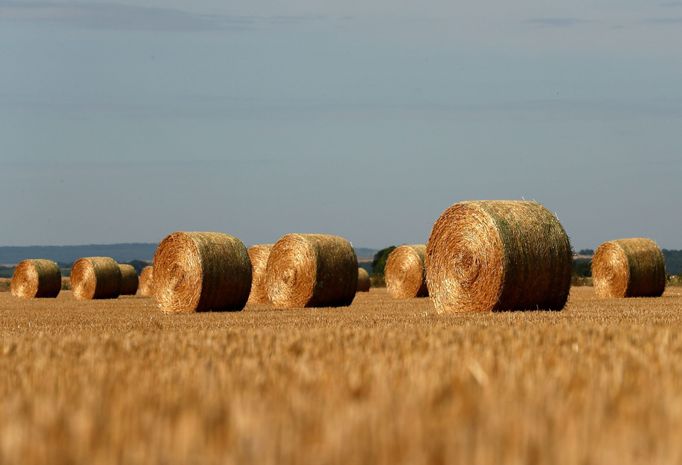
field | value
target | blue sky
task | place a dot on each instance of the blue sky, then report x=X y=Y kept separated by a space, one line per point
x=122 y=122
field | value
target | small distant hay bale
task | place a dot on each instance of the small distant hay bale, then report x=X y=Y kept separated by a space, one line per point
x=146 y=281
x=201 y=271
x=36 y=278
x=96 y=278
x=628 y=268
x=405 y=273
x=498 y=255
x=312 y=270
x=363 y=280
x=129 y=280
x=259 y=254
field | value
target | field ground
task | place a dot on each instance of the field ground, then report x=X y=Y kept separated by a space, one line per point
x=382 y=382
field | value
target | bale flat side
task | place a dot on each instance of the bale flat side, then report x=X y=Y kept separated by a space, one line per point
x=364 y=283
x=259 y=254
x=96 y=278
x=36 y=278
x=405 y=272
x=146 y=281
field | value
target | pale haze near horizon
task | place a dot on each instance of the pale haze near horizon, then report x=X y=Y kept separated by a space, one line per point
x=122 y=122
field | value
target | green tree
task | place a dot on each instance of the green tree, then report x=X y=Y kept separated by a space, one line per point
x=379 y=262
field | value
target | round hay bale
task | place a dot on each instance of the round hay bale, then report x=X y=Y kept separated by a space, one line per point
x=628 y=268
x=259 y=254
x=129 y=280
x=96 y=278
x=498 y=255
x=146 y=281
x=312 y=270
x=201 y=271
x=405 y=273
x=363 y=280
x=35 y=279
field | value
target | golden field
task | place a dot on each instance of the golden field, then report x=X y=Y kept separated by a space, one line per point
x=381 y=382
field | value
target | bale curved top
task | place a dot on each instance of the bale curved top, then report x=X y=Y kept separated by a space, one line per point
x=129 y=280
x=95 y=278
x=312 y=270
x=633 y=267
x=405 y=272
x=146 y=281
x=259 y=254
x=199 y=271
x=498 y=255
x=36 y=278
x=364 y=283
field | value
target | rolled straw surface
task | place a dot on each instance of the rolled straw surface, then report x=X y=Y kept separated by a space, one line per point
x=95 y=278
x=405 y=273
x=201 y=271
x=632 y=267
x=498 y=255
x=146 y=281
x=312 y=270
x=36 y=278
x=259 y=255
x=129 y=280
x=364 y=283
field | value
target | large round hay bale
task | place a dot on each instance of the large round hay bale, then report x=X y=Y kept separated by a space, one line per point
x=498 y=255
x=36 y=278
x=259 y=254
x=146 y=281
x=363 y=280
x=312 y=270
x=129 y=280
x=405 y=273
x=201 y=271
x=96 y=278
x=628 y=268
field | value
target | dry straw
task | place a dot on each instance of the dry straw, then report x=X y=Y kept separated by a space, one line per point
x=404 y=272
x=201 y=271
x=129 y=280
x=498 y=255
x=146 y=281
x=628 y=268
x=312 y=270
x=96 y=278
x=36 y=278
x=363 y=280
x=259 y=261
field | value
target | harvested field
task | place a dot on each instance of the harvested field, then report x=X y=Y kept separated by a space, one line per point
x=382 y=382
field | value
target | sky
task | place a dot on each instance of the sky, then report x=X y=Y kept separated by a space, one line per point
x=125 y=121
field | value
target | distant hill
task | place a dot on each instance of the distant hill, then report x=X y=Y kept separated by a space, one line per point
x=67 y=254
x=123 y=253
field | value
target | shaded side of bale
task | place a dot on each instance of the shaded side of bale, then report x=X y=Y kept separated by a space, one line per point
x=498 y=255
x=201 y=271
x=632 y=267
x=96 y=278
x=36 y=278
x=146 y=281
x=363 y=280
x=259 y=254
x=312 y=270
x=129 y=280
x=405 y=272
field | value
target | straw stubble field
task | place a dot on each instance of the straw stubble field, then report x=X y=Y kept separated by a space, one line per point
x=384 y=382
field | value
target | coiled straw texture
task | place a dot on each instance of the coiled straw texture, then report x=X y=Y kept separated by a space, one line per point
x=312 y=270
x=146 y=288
x=498 y=255
x=201 y=271
x=628 y=268
x=259 y=255
x=95 y=278
x=129 y=280
x=36 y=278
x=405 y=273
x=364 y=282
